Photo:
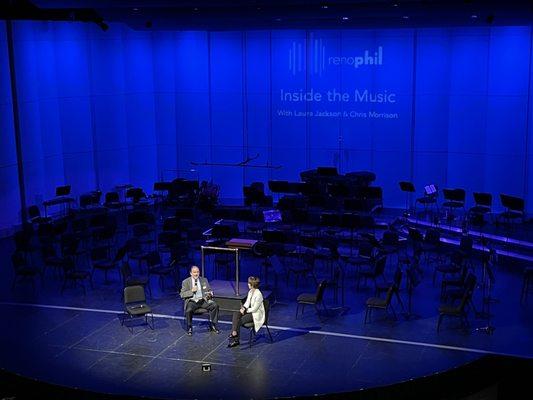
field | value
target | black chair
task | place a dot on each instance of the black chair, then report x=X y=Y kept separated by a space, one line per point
x=251 y=326
x=395 y=283
x=514 y=208
x=482 y=206
x=135 y=305
x=429 y=200
x=131 y=280
x=304 y=269
x=71 y=274
x=458 y=311
x=453 y=200
x=469 y=284
x=100 y=259
x=135 y=195
x=34 y=215
x=390 y=243
x=431 y=246
x=22 y=270
x=112 y=201
x=452 y=267
x=372 y=271
x=156 y=267
x=312 y=298
x=374 y=303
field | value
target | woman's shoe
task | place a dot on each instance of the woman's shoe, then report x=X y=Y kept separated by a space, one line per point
x=233 y=343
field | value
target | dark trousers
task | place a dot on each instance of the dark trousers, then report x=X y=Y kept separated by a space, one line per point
x=211 y=307
x=239 y=319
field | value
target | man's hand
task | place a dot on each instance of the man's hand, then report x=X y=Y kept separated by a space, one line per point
x=242 y=310
x=194 y=288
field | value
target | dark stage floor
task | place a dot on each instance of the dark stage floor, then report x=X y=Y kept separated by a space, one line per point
x=77 y=340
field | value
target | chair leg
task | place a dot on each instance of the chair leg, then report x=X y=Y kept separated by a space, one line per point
x=270 y=336
x=251 y=337
x=393 y=312
x=297 y=307
x=439 y=321
x=366 y=314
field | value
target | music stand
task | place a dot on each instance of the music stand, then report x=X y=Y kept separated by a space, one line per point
x=488 y=280
x=414 y=276
x=408 y=188
x=62 y=191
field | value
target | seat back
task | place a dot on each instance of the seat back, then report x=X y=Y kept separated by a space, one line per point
x=415 y=235
x=380 y=265
x=319 y=295
x=390 y=292
x=34 y=212
x=390 y=238
x=366 y=249
x=455 y=195
x=134 y=294
x=483 y=199
x=397 y=278
x=112 y=197
x=125 y=270
x=512 y=203
x=121 y=253
x=266 y=305
x=100 y=253
x=153 y=259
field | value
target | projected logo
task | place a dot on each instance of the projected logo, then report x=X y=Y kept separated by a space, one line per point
x=318 y=61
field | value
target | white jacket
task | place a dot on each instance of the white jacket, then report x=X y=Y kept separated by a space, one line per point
x=254 y=305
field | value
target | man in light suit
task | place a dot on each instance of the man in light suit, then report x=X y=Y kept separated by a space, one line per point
x=197 y=293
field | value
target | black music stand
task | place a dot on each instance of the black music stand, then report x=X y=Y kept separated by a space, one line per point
x=488 y=280
x=351 y=221
x=408 y=188
x=62 y=191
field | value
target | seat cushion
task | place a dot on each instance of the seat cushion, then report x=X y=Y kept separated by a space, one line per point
x=137 y=281
x=376 y=302
x=306 y=298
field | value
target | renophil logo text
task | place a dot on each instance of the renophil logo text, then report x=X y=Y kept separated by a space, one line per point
x=317 y=61
x=376 y=58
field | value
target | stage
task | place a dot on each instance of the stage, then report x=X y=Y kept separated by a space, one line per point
x=77 y=340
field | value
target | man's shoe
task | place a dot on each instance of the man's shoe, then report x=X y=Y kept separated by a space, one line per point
x=214 y=329
x=189 y=331
x=233 y=343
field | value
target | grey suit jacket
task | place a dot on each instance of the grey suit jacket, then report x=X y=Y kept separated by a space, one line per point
x=186 y=292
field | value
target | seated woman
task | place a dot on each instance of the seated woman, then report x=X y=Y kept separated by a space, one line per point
x=252 y=310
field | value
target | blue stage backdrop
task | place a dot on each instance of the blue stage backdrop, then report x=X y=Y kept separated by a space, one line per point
x=447 y=106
